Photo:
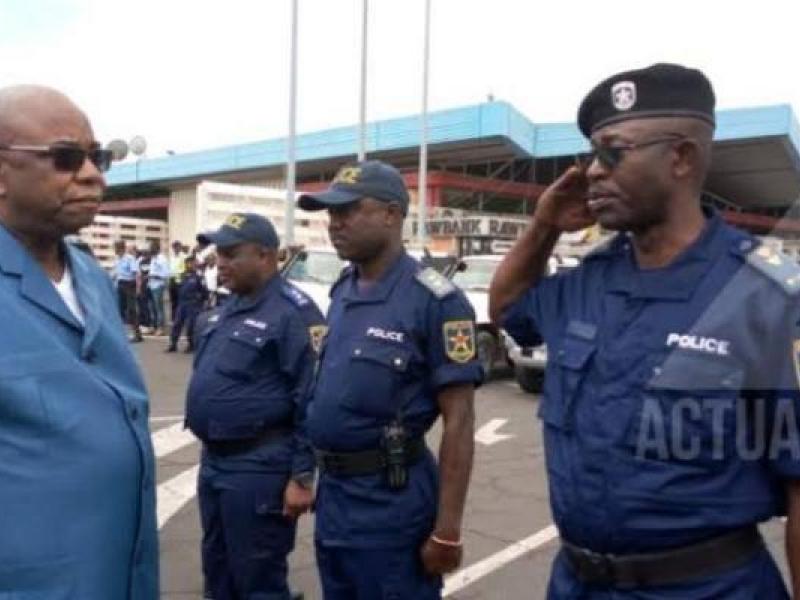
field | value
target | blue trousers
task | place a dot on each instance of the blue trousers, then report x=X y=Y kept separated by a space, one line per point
x=759 y=579
x=185 y=317
x=246 y=539
x=374 y=574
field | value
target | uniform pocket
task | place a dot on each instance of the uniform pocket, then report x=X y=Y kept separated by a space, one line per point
x=274 y=533
x=376 y=371
x=565 y=378
x=688 y=412
x=242 y=351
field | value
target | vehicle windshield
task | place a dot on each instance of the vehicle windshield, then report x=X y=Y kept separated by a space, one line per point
x=316 y=267
x=477 y=275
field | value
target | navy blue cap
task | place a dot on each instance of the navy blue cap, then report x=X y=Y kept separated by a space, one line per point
x=240 y=228
x=370 y=178
x=661 y=90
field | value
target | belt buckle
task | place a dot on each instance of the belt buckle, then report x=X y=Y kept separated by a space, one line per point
x=597 y=568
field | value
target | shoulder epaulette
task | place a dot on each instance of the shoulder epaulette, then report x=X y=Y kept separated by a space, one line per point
x=439 y=285
x=777 y=266
x=294 y=295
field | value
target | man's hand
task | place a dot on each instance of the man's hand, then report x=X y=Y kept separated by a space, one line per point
x=563 y=204
x=296 y=500
x=439 y=559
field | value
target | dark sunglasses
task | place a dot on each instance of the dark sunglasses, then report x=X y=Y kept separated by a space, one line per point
x=611 y=156
x=68 y=157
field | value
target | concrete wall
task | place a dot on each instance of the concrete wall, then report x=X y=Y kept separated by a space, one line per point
x=182 y=216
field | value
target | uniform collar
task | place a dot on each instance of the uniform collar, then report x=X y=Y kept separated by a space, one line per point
x=676 y=281
x=244 y=304
x=380 y=290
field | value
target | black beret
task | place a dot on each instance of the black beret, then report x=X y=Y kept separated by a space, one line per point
x=662 y=90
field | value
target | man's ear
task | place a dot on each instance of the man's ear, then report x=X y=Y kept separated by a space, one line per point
x=686 y=158
x=394 y=213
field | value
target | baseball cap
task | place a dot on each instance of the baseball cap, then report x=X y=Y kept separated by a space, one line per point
x=240 y=228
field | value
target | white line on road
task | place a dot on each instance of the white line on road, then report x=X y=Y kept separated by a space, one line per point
x=487 y=435
x=173 y=494
x=166 y=418
x=473 y=573
x=170 y=439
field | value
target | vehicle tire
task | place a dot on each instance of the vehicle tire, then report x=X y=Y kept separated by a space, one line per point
x=530 y=380
x=487 y=351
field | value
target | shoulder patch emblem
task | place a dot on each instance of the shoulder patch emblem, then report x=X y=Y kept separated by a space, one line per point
x=437 y=283
x=316 y=334
x=459 y=340
x=777 y=266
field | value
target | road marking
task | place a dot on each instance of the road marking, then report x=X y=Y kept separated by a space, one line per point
x=166 y=418
x=473 y=573
x=487 y=435
x=170 y=439
x=174 y=493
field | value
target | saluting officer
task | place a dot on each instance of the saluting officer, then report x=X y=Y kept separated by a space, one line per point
x=400 y=350
x=247 y=403
x=665 y=345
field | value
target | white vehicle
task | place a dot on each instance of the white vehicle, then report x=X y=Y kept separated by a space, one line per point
x=314 y=270
x=473 y=275
x=530 y=362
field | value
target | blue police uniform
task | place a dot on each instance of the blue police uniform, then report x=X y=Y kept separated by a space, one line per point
x=246 y=401
x=390 y=348
x=77 y=500
x=627 y=346
x=192 y=295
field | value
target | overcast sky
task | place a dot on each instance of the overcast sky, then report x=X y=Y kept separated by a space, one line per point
x=190 y=75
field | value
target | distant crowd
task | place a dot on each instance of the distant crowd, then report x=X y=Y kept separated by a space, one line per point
x=151 y=285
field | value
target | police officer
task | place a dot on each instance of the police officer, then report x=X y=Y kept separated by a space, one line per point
x=246 y=402
x=77 y=500
x=664 y=344
x=192 y=296
x=126 y=273
x=399 y=352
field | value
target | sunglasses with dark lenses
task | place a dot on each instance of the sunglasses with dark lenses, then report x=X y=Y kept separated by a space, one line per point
x=611 y=156
x=68 y=157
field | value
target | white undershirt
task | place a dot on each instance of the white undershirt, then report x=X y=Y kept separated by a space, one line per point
x=67 y=292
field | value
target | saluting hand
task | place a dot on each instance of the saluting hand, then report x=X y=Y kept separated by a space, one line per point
x=296 y=500
x=563 y=204
x=438 y=559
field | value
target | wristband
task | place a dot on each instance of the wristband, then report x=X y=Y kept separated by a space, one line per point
x=448 y=543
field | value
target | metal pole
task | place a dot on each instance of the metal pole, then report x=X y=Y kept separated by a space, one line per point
x=362 y=119
x=288 y=234
x=422 y=190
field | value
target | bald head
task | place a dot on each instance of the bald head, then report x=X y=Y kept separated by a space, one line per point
x=27 y=112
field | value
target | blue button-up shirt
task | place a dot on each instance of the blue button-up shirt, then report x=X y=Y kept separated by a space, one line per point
x=125 y=268
x=77 y=497
x=253 y=372
x=645 y=364
x=387 y=355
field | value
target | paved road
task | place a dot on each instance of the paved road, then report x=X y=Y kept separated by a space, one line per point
x=509 y=538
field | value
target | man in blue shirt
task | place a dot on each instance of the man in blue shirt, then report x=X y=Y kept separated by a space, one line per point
x=400 y=351
x=77 y=473
x=247 y=403
x=125 y=274
x=157 y=284
x=670 y=399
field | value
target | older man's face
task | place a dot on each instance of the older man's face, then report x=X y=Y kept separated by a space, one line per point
x=36 y=199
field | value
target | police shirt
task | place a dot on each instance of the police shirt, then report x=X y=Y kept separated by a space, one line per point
x=647 y=371
x=253 y=370
x=389 y=350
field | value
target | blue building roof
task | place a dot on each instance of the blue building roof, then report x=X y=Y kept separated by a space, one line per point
x=460 y=125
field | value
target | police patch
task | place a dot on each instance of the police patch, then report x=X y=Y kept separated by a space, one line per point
x=316 y=334
x=459 y=340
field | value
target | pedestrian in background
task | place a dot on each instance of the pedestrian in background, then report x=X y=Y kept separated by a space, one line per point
x=126 y=273
x=157 y=283
x=192 y=296
x=176 y=269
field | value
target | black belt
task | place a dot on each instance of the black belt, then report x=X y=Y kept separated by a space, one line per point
x=704 y=559
x=365 y=462
x=232 y=447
